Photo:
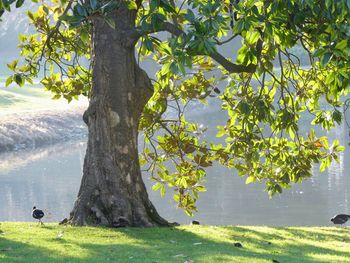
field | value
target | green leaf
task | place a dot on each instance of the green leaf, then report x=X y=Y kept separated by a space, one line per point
x=174 y=68
x=19 y=3
x=71 y=19
x=291 y=133
x=7 y=7
x=342 y=44
x=156 y=186
x=162 y=190
x=326 y=58
x=176 y=197
x=166 y=6
x=190 y=16
x=13 y=65
x=183 y=182
x=109 y=7
x=252 y=37
x=81 y=10
x=337 y=116
x=9 y=80
x=201 y=189
x=46 y=10
x=323 y=166
x=29 y=80
x=131 y=5
x=148 y=44
x=19 y=79
x=93 y=4
x=244 y=107
x=56 y=97
x=250 y=179
x=318 y=52
x=110 y=22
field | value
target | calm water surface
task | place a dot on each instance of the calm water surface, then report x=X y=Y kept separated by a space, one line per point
x=50 y=177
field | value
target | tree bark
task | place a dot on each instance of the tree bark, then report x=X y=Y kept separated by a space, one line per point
x=112 y=192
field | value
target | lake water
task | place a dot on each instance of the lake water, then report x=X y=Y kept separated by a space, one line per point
x=49 y=177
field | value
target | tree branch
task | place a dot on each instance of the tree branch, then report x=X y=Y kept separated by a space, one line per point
x=174 y=30
x=55 y=29
x=225 y=41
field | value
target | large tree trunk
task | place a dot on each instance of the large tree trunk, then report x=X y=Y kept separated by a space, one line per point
x=112 y=192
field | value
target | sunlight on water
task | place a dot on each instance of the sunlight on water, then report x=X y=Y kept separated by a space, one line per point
x=29 y=118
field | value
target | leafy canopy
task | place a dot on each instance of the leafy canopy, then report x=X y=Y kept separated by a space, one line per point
x=292 y=63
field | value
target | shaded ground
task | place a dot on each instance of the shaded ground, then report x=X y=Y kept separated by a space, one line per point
x=28 y=242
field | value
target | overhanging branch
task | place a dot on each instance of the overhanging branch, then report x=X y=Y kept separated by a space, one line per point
x=174 y=30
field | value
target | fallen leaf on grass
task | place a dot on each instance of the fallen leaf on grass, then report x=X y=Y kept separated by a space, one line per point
x=60 y=234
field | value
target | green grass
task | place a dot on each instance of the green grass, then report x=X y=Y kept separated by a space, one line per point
x=28 y=242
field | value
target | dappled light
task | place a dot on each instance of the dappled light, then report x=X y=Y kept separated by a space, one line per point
x=52 y=243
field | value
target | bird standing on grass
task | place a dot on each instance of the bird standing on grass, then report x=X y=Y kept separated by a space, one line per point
x=340 y=219
x=37 y=214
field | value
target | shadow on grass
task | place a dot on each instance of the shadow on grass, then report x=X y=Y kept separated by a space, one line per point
x=299 y=245
x=169 y=245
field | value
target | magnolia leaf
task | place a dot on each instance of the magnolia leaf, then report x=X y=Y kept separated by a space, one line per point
x=19 y=3
x=110 y=22
x=326 y=58
x=250 y=179
x=131 y=5
x=9 y=80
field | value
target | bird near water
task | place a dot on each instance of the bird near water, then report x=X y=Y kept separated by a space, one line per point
x=340 y=219
x=38 y=214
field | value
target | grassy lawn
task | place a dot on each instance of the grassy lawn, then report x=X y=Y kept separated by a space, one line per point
x=28 y=242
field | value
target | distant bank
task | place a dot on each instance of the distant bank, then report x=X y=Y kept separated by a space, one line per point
x=29 y=118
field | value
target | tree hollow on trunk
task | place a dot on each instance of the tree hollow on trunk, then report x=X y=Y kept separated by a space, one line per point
x=112 y=191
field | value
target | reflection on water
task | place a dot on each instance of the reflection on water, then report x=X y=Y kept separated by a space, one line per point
x=50 y=177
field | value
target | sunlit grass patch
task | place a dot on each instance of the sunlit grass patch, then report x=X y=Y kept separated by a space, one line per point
x=29 y=242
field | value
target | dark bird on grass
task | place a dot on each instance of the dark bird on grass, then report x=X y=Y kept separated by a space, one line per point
x=237 y=244
x=37 y=214
x=340 y=219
